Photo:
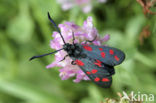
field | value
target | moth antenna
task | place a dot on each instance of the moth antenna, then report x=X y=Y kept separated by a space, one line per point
x=52 y=21
x=44 y=54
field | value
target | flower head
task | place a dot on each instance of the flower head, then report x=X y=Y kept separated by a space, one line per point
x=85 y=5
x=81 y=33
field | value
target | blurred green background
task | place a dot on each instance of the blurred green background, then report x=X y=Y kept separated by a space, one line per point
x=26 y=31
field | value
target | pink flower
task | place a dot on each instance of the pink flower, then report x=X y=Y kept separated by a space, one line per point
x=81 y=33
x=85 y=5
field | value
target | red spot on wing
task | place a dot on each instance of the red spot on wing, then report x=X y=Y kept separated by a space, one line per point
x=98 y=63
x=88 y=72
x=105 y=79
x=111 y=52
x=86 y=47
x=116 y=58
x=100 y=49
x=79 y=62
x=103 y=54
x=94 y=71
x=97 y=79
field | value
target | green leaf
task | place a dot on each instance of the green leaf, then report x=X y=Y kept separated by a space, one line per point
x=21 y=27
x=28 y=92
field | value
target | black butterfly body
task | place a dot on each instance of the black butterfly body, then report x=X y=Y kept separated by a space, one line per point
x=97 y=62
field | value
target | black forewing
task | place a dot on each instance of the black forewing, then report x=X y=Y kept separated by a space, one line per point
x=98 y=72
x=108 y=55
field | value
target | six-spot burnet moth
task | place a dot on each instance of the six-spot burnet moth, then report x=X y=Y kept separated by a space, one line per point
x=97 y=62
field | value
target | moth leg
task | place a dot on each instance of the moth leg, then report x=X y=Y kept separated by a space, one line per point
x=73 y=37
x=63 y=58
x=90 y=41
x=73 y=63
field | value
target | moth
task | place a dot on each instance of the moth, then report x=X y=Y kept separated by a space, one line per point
x=97 y=62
